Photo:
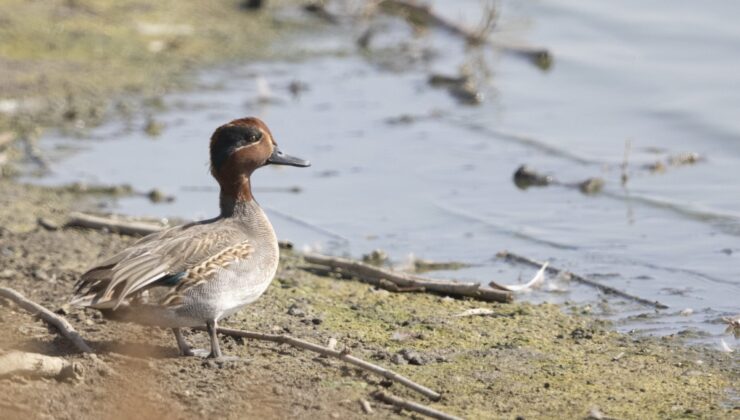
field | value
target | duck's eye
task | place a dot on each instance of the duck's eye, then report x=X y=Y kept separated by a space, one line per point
x=254 y=137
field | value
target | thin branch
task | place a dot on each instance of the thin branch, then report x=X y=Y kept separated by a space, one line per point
x=412 y=406
x=580 y=279
x=381 y=278
x=61 y=324
x=342 y=355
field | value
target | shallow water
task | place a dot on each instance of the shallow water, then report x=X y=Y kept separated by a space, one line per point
x=662 y=75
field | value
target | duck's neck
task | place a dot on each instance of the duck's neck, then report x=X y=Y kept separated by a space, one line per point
x=236 y=197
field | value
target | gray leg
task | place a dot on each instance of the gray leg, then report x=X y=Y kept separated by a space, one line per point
x=181 y=343
x=185 y=349
x=212 y=328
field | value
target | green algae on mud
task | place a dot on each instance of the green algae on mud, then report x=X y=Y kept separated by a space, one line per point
x=62 y=61
x=522 y=359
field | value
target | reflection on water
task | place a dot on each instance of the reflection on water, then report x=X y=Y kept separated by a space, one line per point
x=402 y=166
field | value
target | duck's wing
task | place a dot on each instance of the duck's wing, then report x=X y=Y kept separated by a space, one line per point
x=174 y=258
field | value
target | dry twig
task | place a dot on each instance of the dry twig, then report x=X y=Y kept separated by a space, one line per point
x=61 y=324
x=580 y=279
x=412 y=406
x=342 y=355
x=382 y=278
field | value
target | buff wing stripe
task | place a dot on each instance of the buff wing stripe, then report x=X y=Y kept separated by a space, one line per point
x=204 y=271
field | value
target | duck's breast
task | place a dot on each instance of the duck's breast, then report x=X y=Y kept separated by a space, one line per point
x=232 y=287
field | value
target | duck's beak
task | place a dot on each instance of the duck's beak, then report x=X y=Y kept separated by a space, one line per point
x=280 y=158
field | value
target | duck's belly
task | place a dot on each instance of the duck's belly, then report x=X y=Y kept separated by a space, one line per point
x=226 y=292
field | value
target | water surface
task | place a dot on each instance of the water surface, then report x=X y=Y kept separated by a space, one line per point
x=662 y=76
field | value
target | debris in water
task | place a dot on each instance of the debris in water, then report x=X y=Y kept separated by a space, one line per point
x=526 y=177
x=467 y=94
x=376 y=257
x=443 y=80
x=157 y=196
x=460 y=87
x=681 y=159
x=591 y=186
x=687 y=312
x=733 y=326
x=153 y=128
x=297 y=87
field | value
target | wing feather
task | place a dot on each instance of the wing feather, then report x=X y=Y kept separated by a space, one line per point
x=186 y=248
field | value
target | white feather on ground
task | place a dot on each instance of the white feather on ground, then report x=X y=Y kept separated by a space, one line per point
x=537 y=281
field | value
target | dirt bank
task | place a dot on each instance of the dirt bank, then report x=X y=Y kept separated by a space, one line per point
x=524 y=360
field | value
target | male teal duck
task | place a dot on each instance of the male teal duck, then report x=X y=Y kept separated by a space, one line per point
x=198 y=273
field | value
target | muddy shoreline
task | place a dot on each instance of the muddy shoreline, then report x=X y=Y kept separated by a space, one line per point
x=521 y=360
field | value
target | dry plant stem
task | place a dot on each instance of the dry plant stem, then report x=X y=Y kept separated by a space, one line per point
x=580 y=279
x=381 y=278
x=61 y=324
x=412 y=406
x=342 y=355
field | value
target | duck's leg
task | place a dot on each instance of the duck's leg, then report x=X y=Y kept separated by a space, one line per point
x=185 y=349
x=181 y=343
x=212 y=328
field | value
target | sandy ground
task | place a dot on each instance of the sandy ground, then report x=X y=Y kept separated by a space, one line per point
x=525 y=360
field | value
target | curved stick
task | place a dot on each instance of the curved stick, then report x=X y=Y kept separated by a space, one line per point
x=61 y=324
x=342 y=355
x=412 y=406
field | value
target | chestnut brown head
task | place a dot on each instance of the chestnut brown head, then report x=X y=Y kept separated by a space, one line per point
x=241 y=146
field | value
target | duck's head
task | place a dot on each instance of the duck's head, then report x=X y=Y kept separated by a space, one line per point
x=240 y=147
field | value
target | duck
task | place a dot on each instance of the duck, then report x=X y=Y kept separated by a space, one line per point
x=196 y=274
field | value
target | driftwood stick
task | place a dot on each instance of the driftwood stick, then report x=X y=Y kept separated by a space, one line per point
x=113 y=224
x=120 y=225
x=61 y=324
x=17 y=363
x=342 y=355
x=509 y=256
x=381 y=277
x=412 y=406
